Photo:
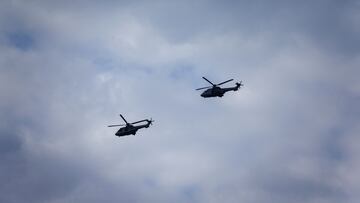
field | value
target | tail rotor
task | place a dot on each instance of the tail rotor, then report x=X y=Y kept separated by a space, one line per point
x=239 y=85
x=151 y=121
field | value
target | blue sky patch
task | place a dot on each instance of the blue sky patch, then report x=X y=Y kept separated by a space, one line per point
x=21 y=40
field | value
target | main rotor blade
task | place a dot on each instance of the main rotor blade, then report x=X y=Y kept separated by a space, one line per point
x=208 y=80
x=115 y=125
x=225 y=82
x=123 y=119
x=203 y=88
x=139 y=121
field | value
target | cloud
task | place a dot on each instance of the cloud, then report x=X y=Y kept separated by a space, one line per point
x=288 y=136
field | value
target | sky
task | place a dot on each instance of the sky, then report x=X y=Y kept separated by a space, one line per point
x=68 y=69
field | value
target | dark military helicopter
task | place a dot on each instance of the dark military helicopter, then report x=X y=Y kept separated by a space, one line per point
x=216 y=91
x=129 y=128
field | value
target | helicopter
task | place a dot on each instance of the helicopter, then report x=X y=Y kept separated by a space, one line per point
x=216 y=91
x=129 y=128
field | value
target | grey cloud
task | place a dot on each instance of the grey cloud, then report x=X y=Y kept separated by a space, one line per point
x=326 y=23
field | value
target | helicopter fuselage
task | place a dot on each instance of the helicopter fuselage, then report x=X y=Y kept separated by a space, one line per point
x=218 y=91
x=131 y=129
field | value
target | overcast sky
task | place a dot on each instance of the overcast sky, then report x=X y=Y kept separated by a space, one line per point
x=290 y=135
